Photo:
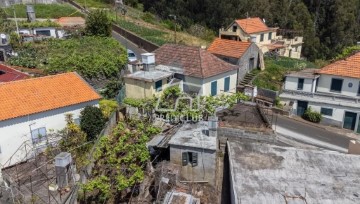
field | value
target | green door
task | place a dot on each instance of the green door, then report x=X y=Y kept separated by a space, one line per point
x=350 y=120
x=358 y=127
x=214 y=88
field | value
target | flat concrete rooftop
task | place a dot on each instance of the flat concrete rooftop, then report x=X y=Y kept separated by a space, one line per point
x=264 y=173
x=149 y=76
x=194 y=135
x=305 y=73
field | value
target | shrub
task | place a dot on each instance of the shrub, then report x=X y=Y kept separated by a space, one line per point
x=91 y=121
x=312 y=116
x=107 y=107
x=98 y=24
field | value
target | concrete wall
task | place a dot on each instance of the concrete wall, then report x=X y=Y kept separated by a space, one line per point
x=225 y=133
x=142 y=89
x=55 y=33
x=14 y=132
x=220 y=83
x=204 y=171
x=325 y=84
x=6 y=3
x=291 y=83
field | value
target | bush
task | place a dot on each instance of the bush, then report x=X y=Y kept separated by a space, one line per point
x=91 y=121
x=107 y=107
x=98 y=24
x=312 y=116
x=148 y=17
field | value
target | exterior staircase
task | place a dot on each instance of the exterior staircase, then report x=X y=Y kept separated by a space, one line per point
x=247 y=80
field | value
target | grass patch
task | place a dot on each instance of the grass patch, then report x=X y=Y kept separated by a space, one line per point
x=153 y=35
x=273 y=75
x=44 y=11
x=92 y=3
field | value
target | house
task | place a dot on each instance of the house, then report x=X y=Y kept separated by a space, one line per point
x=193 y=147
x=33 y=108
x=255 y=30
x=265 y=173
x=193 y=69
x=334 y=91
x=246 y=55
x=8 y=74
x=199 y=71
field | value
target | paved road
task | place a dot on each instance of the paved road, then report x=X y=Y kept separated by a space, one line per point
x=129 y=45
x=310 y=134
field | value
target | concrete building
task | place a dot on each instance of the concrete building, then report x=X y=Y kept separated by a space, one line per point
x=194 y=149
x=246 y=55
x=194 y=69
x=255 y=30
x=32 y=108
x=263 y=173
x=334 y=91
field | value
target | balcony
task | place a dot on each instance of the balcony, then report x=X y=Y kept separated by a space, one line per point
x=321 y=98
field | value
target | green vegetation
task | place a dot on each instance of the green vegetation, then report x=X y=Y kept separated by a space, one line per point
x=98 y=24
x=107 y=107
x=327 y=26
x=92 y=57
x=120 y=158
x=93 y=3
x=153 y=35
x=312 y=116
x=112 y=89
x=272 y=77
x=44 y=11
x=38 y=24
x=92 y=121
x=347 y=52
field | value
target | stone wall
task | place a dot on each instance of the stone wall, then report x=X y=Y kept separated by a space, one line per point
x=225 y=134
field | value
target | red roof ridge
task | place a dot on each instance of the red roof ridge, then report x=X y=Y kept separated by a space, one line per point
x=252 y=25
x=348 y=67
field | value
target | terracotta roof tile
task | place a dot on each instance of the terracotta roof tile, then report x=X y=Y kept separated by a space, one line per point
x=8 y=74
x=195 y=61
x=252 y=25
x=349 y=67
x=228 y=48
x=29 y=96
x=71 y=21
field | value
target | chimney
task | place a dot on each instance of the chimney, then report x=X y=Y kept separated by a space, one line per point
x=213 y=125
x=62 y=168
x=148 y=60
x=30 y=12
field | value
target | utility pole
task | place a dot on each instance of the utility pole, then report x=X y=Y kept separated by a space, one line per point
x=173 y=16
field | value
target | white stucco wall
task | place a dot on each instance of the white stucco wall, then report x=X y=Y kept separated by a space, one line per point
x=291 y=83
x=220 y=83
x=14 y=132
x=325 y=84
x=55 y=33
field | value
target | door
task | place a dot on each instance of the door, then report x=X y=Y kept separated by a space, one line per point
x=301 y=107
x=251 y=63
x=2 y=56
x=214 y=88
x=358 y=127
x=350 y=120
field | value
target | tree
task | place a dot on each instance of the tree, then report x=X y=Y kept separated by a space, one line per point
x=112 y=89
x=98 y=24
x=91 y=121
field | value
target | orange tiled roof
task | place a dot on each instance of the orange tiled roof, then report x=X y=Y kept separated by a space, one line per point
x=195 y=61
x=71 y=21
x=228 y=48
x=349 y=67
x=29 y=96
x=252 y=25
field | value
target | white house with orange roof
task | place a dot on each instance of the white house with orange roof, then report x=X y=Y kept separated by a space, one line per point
x=255 y=30
x=334 y=91
x=31 y=108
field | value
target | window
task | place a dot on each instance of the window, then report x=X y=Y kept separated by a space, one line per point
x=77 y=121
x=234 y=28
x=359 y=89
x=262 y=37
x=336 y=85
x=190 y=158
x=326 y=111
x=214 y=88
x=300 y=84
x=43 y=32
x=38 y=135
x=270 y=35
x=227 y=84
x=158 y=85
